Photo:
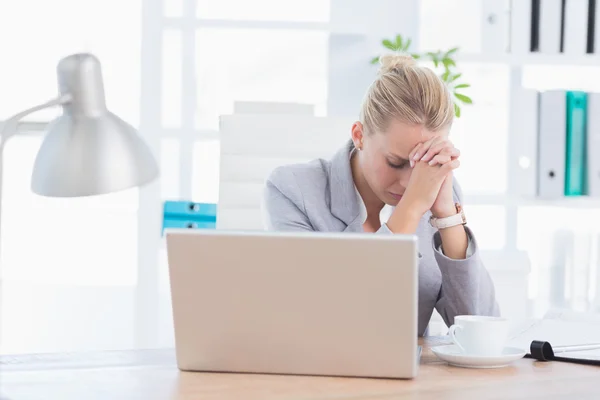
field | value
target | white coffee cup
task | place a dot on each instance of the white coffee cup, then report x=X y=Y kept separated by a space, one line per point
x=478 y=335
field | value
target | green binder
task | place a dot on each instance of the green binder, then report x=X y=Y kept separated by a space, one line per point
x=575 y=168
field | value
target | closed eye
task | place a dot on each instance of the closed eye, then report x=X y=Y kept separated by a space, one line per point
x=400 y=165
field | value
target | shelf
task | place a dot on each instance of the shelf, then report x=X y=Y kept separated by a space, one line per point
x=530 y=59
x=580 y=202
x=566 y=202
x=178 y=23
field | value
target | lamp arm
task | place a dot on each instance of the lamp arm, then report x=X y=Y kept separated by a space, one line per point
x=9 y=128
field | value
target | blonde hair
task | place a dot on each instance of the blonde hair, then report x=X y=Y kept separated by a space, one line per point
x=408 y=92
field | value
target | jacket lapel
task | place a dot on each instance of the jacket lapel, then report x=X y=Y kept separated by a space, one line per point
x=344 y=204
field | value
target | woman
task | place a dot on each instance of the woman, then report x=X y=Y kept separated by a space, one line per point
x=395 y=176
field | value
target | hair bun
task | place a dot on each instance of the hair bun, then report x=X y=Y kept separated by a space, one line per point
x=390 y=62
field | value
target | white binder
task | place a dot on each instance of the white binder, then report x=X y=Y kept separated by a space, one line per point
x=576 y=27
x=520 y=27
x=495 y=27
x=593 y=144
x=523 y=146
x=552 y=141
x=550 y=21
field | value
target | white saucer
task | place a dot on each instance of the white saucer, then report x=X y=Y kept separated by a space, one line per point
x=453 y=355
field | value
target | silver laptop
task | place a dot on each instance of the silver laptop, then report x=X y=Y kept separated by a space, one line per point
x=295 y=303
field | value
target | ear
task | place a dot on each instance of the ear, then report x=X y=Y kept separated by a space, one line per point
x=357 y=135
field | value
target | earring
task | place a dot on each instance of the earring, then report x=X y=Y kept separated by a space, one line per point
x=360 y=146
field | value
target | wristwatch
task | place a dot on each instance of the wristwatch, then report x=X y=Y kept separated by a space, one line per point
x=453 y=220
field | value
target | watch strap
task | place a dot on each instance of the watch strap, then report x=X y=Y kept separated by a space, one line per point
x=457 y=219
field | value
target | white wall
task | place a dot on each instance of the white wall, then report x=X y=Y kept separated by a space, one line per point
x=172 y=68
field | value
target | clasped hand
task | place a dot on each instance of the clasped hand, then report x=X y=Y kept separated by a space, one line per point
x=430 y=183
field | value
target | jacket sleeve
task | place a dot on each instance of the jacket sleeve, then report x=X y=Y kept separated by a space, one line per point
x=467 y=288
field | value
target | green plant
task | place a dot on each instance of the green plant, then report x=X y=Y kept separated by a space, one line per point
x=444 y=63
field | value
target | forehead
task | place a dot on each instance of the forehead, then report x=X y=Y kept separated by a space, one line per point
x=400 y=138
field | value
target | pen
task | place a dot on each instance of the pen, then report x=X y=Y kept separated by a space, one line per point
x=578 y=347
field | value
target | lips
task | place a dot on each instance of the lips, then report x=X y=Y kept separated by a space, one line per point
x=396 y=196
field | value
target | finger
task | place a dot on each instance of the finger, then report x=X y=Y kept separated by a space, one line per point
x=450 y=166
x=412 y=153
x=451 y=152
x=440 y=159
x=435 y=149
x=454 y=152
x=424 y=147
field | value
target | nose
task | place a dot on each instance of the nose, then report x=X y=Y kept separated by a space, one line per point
x=404 y=176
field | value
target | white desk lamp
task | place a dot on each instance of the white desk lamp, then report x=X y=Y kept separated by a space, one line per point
x=87 y=150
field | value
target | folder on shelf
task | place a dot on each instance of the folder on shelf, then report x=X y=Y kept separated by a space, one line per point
x=593 y=144
x=523 y=149
x=591 y=26
x=494 y=33
x=551 y=144
x=521 y=27
x=550 y=20
x=594 y=27
x=575 y=31
x=189 y=215
x=575 y=167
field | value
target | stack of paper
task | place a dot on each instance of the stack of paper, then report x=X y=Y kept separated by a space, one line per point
x=560 y=329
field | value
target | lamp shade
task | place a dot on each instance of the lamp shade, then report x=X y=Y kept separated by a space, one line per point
x=88 y=150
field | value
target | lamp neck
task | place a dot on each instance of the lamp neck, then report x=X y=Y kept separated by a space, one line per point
x=80 y=76
x=10 y=127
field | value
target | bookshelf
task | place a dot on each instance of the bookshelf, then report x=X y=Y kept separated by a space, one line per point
x=578 y=202
x=531 y=223
x=517 y=60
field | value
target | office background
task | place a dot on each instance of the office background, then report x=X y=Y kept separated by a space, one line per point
x=91 y=273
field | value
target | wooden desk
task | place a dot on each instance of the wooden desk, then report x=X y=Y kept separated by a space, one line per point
x=152 y=374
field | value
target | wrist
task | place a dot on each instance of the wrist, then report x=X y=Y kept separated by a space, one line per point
x=444 y=211
x=405 y=218
x=456 y=218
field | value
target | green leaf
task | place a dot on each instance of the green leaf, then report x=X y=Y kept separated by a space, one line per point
x=463 y=98
x=436 y=62
x=456 y=110
x=375 y=60
x=448 y=62
x=462 y=85
x=398 y=42
x=415 y=56
x=388 y=44
x=451 y=51
x=434 y=57
x=407 y=44
x=445 y=75
x=454 y=77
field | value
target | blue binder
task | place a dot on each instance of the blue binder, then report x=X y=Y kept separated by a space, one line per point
x=189 y=215
x=576 y=158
